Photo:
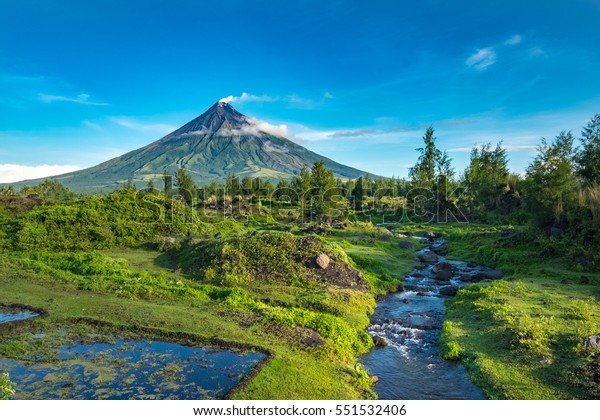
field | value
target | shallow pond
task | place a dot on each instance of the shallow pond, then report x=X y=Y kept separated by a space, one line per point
x=130 y=369
x=14 y=314
x=410 y=322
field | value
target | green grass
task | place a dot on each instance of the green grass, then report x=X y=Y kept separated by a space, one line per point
x=136 y=286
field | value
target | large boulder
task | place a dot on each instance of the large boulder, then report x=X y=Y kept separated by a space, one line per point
x=441 y=249
x=593 y=342
x=428 y=257
x=323 y=261
x=449 y=291
x=443 y=271
x=406 y=245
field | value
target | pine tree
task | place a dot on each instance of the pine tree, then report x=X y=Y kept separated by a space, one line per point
x=588 y=157
x=187 y=187
x=358 y=194
x=551 y=180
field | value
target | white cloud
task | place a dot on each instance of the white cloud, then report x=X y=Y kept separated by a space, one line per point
x=83 y=99
x=248 y=97
x=482 y=59
x=256 y=128
x=537 y=52
x=507 y=147
x=270 y=147
x=132 y=124
x=514 y=40
x=293 y=101
x=92 y=125
x=14 y=173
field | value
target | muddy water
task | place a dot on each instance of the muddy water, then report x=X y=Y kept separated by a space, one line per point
x=131 y=370
x=410 y=367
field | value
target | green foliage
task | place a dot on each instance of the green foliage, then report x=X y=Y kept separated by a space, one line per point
x=269 y=257
x=186 y=186
x=124 y=218
x=7 y=388
x=486 y=179
x=98 y=273
x=551 y=180
x=588 y=157
x=449 y=347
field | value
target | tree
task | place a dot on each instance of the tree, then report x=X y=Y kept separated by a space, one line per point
x=423 y=173
x=358 y=194
x=232 y=185
x=430 y=178
x=168 y=184
x=301 y=184
x=322 y=182
x=283 y=189
x=186 y=186
x=551 y=182
x=588 y=157
x=486 y=177
x=247 y=185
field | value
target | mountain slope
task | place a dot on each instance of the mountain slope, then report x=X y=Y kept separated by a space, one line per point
x=217 y=143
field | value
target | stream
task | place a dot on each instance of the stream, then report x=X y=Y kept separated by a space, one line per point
x=409 y=367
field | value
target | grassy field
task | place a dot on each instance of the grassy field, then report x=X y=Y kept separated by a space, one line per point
x=147 y=288
x=520 y=337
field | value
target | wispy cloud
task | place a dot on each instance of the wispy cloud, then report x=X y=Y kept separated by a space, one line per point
x=132 y=124
x=537 y=52
x=352 y=133
x=248 y=97
x=514 y=40
x=83 y=99
x=507 y=147
x=482 y=59
x=293 y=101
x=14 y=173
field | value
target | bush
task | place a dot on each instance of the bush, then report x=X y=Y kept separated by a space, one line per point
x=7 y=388
x=449 y=347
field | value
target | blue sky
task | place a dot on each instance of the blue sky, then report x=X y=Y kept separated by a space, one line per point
x=82 y=82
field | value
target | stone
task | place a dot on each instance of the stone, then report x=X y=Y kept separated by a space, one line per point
x=466 y=277
x=379 y=341
x=406 y=245
x=546 y=361
x=428 y=257
x=441 y=249
x=443 y=271
x=405 y=300
x=593 y=342
x=448 y=291
x=374 y=379
x=323 y=261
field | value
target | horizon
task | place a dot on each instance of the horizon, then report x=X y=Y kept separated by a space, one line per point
x=360 y=87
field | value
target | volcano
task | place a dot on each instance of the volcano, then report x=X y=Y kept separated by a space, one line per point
x=219 y=142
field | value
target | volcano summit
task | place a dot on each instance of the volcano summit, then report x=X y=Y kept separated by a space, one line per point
x=219 y=142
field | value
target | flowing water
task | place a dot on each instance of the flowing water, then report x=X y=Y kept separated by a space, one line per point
x=131 y=370
x=410 y=367
x=8 y=314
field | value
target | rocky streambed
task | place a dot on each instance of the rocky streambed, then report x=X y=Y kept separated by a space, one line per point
x=407 y=325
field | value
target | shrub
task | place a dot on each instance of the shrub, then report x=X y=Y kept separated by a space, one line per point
x=449 y=347
x=7 y=388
